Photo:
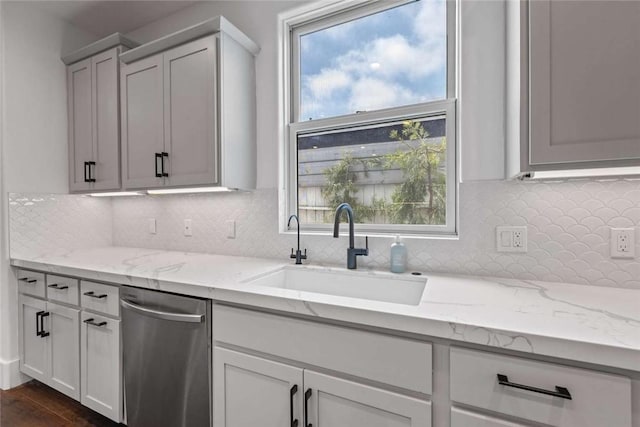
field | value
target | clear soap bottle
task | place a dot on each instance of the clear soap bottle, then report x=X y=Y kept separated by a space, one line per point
x=398 y=256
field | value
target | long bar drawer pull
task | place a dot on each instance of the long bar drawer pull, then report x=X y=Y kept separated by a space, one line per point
x=165 y=315
x=92 y=322
x=58 y=287
x=43 y=314
x=561 y=392
x=292 y=392
x=93 y=295
x=26 y=279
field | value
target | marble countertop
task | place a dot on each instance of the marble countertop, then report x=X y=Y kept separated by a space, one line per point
x=583 y=323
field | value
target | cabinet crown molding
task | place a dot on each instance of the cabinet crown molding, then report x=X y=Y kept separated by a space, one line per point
x=210 y=26
x=115 y=39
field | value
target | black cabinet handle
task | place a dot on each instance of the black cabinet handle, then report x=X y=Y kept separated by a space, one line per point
x=58 y=287
x=158 y=157
x=38 y=314
x=93 y=295
x=561 y=392
x=92 y=169
x=293 y=391
x=43 y=314
x=307 y=396
x=86 y=172
x=26 y=279
x=163 y=155
x=93 y=323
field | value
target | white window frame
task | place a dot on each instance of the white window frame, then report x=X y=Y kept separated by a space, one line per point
x=315 y=16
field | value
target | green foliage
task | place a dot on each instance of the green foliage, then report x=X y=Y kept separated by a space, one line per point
x=342 y=188
x=421 y=197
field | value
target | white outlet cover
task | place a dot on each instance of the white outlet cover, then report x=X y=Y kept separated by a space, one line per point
x=511 y=239
x=188 y=228
x=623 y=243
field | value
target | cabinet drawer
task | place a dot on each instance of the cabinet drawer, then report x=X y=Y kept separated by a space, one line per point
x=597 y=399
x=62 y=289
x=396 y=361
x=462 y=418
x=100 y=297
x=31 y=283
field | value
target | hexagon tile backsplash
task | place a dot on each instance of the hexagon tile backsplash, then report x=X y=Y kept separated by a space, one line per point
x=568 y=230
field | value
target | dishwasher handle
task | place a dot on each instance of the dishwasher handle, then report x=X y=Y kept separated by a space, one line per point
x=164 y=315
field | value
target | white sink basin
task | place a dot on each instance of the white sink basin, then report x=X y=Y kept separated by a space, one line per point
x=353 y=284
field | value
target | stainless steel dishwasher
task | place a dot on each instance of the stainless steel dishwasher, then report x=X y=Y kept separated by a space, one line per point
x=166 y=346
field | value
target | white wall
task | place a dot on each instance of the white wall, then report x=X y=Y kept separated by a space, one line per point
x=257 y=19
x=34 y=133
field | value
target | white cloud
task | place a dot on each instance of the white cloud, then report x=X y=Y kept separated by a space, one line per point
x=369 y=94
x=323 y=85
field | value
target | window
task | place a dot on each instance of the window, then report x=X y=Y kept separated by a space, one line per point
x=370 y=112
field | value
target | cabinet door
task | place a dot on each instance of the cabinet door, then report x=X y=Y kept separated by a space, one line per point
x=142 y=123
x=80 y=127
x=250 y=391
x=334 y=402
x=34 y=357
x=190 y=113
x=106 y=133
x=63 y=326
x=100 y=367
x=584 y=83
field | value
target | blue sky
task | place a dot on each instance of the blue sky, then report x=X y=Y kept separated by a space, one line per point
x=396 y=57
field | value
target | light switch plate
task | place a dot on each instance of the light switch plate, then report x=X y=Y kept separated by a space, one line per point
x=231 y=229
x=511 y=239
x=152 y=225
x=623 y=243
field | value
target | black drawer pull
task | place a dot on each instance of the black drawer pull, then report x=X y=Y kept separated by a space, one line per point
x=86 y=172
x=93 y=295
x=93 y=323
x=158 y=157
x=92 y=167
x=26 y=279
x=307 y=396
x=43 y=314
x=38 y=314
x=58 y=287
x=561 y=392
x=293 y=391
x=163 y=155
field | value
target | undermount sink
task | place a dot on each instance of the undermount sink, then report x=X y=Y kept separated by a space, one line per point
x=353 y=284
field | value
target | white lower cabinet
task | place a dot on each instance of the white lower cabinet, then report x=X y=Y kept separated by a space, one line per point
x=334 y=402
x=273 y=389
x=282 y=394
x=33 y=348
x=100 y=365
x=540 y=392
x=49 y=344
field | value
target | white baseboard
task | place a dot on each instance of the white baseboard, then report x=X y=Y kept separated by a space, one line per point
x=10 y=375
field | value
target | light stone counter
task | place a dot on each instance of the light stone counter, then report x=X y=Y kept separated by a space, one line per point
x=583 y=323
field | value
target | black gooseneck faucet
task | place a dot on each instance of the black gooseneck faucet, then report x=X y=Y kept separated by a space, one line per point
x=298 y=254
x=352 y=251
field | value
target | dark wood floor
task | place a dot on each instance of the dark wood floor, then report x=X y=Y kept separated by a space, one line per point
x=34 y=405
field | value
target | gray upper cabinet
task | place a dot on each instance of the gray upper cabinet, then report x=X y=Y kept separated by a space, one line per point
x=188 y=110
x=142 y=118
x=573 y=85
x=585 y=83
x=93 y=113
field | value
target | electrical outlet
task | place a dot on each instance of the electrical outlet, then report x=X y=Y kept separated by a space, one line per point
x=188 y=228
x=623 y=243
x=511 y=239
x=152 y=225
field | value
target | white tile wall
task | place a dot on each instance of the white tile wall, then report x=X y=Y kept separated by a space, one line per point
x=568 y=226
x=50 y=223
